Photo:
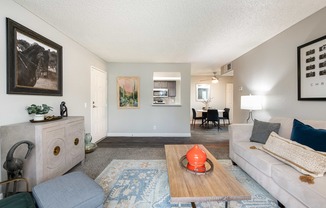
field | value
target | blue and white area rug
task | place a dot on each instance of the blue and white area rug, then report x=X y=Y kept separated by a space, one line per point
x=144 y=184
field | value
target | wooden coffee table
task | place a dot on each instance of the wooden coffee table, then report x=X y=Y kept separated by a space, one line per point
x=185 y=187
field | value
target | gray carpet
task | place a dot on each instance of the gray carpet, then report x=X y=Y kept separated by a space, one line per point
x=151 y=148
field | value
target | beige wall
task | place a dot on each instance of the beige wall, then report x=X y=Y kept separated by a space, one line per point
x=76 y=71
x=271 y=70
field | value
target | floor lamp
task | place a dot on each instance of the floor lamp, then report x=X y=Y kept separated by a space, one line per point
x=251 y=102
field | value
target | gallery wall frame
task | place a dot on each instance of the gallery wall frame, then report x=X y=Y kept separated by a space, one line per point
x=128 y=92
x=312 y=70
x=34 y=63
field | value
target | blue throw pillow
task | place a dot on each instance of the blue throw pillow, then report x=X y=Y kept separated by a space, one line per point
x=309 y=136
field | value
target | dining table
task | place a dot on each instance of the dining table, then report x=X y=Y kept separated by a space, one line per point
x=204 y=115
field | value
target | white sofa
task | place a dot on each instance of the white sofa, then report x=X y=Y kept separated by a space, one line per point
x=279 y=179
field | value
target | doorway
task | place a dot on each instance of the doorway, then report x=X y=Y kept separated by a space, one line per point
x=98 y=104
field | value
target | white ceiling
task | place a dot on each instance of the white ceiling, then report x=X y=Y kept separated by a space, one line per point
x=206 y=33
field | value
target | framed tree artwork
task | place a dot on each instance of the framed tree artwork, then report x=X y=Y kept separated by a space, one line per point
x=34 y=63
x=128 y=92
x=312 y=70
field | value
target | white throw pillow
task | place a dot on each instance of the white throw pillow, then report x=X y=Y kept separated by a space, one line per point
x=302 y=158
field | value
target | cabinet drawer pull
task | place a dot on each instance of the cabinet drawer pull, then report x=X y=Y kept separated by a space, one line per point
x=76 y=141
x=56 y=150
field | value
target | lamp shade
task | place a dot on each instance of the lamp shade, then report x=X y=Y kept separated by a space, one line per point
x=251 y=102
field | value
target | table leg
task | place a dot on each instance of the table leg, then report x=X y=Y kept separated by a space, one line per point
x=202 y=121
x=193 y=205
x=204 y=116
x=218 y=125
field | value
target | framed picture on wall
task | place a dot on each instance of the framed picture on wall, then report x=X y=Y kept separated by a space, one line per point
x=34 y=63
x=202 y=92
x=312 y=70
x=128 y=92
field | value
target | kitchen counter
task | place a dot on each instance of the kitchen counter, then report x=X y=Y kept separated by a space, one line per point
x=167 y=105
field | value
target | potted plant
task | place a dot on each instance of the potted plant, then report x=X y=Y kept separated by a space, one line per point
x=39 y=111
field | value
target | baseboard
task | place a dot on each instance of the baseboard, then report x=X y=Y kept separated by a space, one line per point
x=149 y=134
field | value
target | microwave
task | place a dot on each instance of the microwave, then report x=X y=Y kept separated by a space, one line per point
x=160 y=92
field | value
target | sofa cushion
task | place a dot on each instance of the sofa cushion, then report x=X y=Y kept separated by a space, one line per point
x=255 y=157
x=312 y=195
x=309 y=136
x=302 y=158
x=262 y=130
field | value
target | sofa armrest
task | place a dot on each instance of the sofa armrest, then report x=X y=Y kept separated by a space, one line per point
x=240 y=132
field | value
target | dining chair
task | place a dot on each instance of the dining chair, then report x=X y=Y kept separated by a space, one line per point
x=212 y=116
x=194 y=118
x=226 y=116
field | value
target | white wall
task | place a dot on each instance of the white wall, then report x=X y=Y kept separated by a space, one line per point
x=169 y=120
x=271 y=70
x=76 y=71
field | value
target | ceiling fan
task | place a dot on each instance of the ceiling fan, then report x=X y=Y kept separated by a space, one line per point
x=214 y=78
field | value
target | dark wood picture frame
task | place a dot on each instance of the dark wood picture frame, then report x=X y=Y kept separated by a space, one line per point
x=312 y=70
x=34 y=63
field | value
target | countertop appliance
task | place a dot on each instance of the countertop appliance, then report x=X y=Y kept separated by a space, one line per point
x=160 y=92
x=158 y=100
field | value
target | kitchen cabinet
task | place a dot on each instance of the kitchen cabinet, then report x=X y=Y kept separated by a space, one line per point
x=59 y=146
x=172 y=88
x=161 y=84
x=170 y=85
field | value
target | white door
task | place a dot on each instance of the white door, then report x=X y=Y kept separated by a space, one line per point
x=98 y=104
x=229 y=99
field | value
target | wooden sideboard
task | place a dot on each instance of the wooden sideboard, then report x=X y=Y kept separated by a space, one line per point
x=59 y=146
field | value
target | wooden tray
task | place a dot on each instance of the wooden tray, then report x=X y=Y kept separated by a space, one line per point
x=47 y=118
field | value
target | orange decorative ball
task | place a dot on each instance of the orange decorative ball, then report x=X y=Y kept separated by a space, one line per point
x=196 y=159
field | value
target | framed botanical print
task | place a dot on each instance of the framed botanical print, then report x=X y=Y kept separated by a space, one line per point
x=128 y=92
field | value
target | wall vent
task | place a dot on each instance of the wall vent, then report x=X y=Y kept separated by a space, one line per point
x=226 y=69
